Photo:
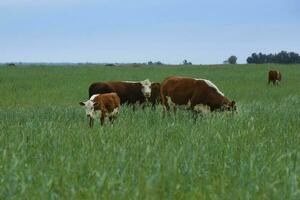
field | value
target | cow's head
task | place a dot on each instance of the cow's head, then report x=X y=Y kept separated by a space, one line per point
x=89 y=107
x=229 y=106
x=146 y=88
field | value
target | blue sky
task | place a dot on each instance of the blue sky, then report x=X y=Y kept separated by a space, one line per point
x=203 y=32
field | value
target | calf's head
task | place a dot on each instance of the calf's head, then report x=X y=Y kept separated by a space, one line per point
x=89 y=107
x=146 y=88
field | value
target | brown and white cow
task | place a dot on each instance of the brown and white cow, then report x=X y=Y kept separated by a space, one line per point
x=129 y=92
x=274 y=77
x=105 y=104
x=198 y=95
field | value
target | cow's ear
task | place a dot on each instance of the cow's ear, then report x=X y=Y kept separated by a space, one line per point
x=81 y=103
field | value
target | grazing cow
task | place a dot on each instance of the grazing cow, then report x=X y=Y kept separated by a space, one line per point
x=194 y=94
x=128 y=91
x=274 y=77
x=107 y=104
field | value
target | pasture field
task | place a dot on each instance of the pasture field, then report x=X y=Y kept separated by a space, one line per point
x=47 y=150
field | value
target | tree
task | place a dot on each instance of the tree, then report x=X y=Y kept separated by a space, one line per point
x=185 y=62
x=294 y=57
x=158 y=63
x=232 y=59
x=250 y=60
x=150 y=63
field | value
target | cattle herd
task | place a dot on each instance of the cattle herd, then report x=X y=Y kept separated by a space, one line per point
x=197 y=95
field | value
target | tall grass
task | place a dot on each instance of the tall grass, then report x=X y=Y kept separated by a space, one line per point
x=47 y=150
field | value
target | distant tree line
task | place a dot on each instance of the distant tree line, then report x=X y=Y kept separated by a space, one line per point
x=282 y=57
x=155 y=63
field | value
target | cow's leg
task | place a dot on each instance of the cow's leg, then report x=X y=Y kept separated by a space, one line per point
x=165 y=104
x=153 y=106
x=167 y=107
x=134 y=106
x=102 y=118
x=112 y=119
x=113 y=115
x=174 y=109
x=194 y=112
x=91 y=123
x=143 y=105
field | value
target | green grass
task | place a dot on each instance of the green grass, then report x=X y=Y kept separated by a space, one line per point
x=47 y=150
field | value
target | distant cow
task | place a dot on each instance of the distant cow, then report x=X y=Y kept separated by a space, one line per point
x=195 y=94
x=128 y=91
x=105 y=104
x=274 y=77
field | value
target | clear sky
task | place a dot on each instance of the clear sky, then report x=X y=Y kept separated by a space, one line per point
x=203 y=32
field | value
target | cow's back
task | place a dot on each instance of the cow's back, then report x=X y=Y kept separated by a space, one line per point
x=192 y=92
x=111 y=101
x=179 y=89
x=99 y=88
x=107 y=101
x=128 y=92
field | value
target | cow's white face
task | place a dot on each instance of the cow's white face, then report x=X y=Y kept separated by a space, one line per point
x=231 y=106
x=146 y=88
x=89 y=108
